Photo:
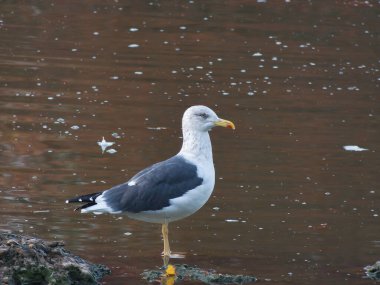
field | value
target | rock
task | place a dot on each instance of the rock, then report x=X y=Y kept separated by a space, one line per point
x=186 y=272
x=373 y=271
x=28 y=260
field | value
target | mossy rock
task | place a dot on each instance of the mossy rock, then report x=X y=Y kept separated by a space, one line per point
x=27 y=260
x=373 y=271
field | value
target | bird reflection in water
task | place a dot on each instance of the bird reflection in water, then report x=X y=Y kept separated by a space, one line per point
x=167 y=280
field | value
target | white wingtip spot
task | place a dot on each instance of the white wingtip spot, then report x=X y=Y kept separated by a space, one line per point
x=67 y=201
x=80 y=200
x=131 y=183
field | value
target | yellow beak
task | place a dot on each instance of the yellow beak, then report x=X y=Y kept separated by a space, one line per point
x=225 y=124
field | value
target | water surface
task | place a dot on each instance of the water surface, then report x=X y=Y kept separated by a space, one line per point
x=300 y=81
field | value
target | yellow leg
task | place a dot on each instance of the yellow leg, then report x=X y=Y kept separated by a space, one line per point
x=170 y=271
x=165 y=235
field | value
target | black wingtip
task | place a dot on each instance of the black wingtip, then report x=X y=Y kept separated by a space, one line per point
x=89 y=198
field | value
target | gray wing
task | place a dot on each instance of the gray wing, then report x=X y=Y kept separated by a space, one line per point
x=154 y=186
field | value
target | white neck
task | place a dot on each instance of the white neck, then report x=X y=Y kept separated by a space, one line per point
x=197 y=144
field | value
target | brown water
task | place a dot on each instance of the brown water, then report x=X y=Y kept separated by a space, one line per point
x=300 y=80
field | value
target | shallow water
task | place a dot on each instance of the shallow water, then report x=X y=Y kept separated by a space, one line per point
x=300 y=81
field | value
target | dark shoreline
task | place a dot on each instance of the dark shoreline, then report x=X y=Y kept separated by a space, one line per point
x=30 y=260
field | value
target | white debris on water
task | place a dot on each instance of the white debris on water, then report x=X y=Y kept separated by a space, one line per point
x=232 y=221
x=157 y=128
x=41 y=211
x=59 y=121
x=105 y=144
x=354 y=148
x=111 y=151
x=133 y=45
x=75 y=127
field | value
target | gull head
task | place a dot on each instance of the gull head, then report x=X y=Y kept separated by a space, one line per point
x=203 y=119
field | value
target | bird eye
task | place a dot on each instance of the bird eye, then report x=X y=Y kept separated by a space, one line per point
x=203 y=115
